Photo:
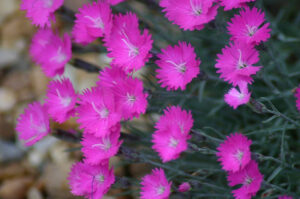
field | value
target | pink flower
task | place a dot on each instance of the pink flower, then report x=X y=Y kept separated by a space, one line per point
x=189 y=14
x=235 y=98
x=285 y=197
x=90 y=181
x=169 y=144
x=178 y=65
x=40 y=12
x=131 y=98
x=250 y=178
x=126 y=45
x=234 y=153
x=97 y=111
x=297 y=95
x=184 y=187
x=33 y=124
x=248 y=26
x=98 y=149
x=50 y=51
x=174 y=116
x=229 y=4
x=235 y=64
x=61 y=100
x=93 y=21
x=155 y=185
x=111 y=77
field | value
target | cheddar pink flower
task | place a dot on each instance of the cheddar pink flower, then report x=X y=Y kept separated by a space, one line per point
x=93 y=20
x=99 y=149
x=61 y=100
x=33 y=124
x=113 y=2
x=235 y=98
x=297 y=95
x=234 y=153
x=250 y=178
x=155 y=185
x=41 y=12
x=285 y=197
x=249 y=26
x=189 y=14
x=97 y=111
x=90 y=181
x=126 y=45
x=230 y=4
x=184 y=187
x=178 y=65
x=235 y=64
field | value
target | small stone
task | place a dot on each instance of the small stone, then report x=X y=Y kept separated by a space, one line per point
x=7 y=99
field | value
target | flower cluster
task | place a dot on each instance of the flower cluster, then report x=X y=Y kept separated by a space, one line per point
x=236 y=64
x=235 y=157
x=172 y=133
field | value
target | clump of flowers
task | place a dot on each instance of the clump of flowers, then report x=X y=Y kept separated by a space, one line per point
x=51 y=52
x=190 y=14
x=91 y=181
x=41 y=12
x=126 y=45
x=178 y=65
x=155 y=185
x=172 y=133
x=93 y=20
x=33 y=124
x=249 y=27
x=61 y=100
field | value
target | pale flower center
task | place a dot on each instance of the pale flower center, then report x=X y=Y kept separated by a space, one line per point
x=98 y=23
x=47 y=3
x=104 y=112
x=197 y=9
x=131 y=98
x=105 y=145
x=133 y=50
x=241 y=64
x=179 y=67
x=65 y=101
x=251 y=30
x=160 y=190
x=60 y=56
x=248 y=180
x=100 y=178
x=173 y=142
x=239 y=155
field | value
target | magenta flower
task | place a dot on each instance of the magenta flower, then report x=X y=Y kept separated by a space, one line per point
x=184 y=187
x=189 y=14
x=297 y=95
x=155 y=185
x=235 y=64
x=235 y=98
x=93 y=21
x=111 y=77
x=113 y=2
x=169 y=144
x=90 y=181
x=41 y=12
x=174 y=116
x=130 y=98
x=61 y=100
x=126 y=45
x=178 y=65
x=248 y=27
x=230 y=4
x=99 y=149
x=250 y=178
x=285 y=197
x=50 y=51
x=234 y=153
x=33 y=124
x=97 y=111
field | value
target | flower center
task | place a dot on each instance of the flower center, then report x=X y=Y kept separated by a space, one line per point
x=100 y=178
x=173 y=142
x=98 y=23
x=131 y=98
x=65 y=101
x=133 y=50
x=39 y=128
x=239 y=155
x=60 y=57
x=105 y=145
x=104 y=112
x=251 y=30
x=248 y=180
x=48 y=3
x=160 y=190
x=179 y=67
x=197 y=9
x=241 y=64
